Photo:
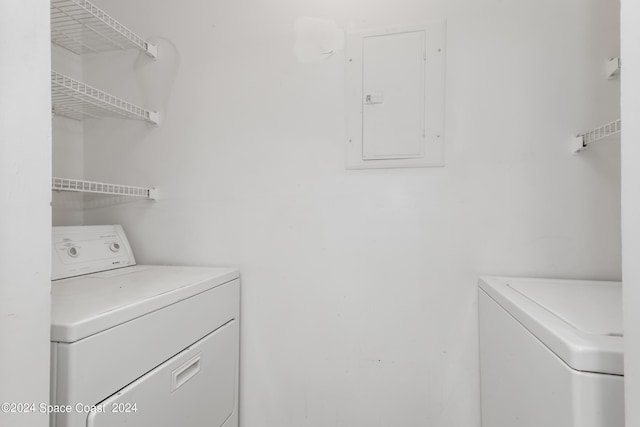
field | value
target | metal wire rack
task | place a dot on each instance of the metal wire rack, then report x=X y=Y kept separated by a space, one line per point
x=582 y=141
x=77 y=185
x=77 y=100
x=82 y=27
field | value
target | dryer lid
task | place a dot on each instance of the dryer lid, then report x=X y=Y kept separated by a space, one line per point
x=89 y=304
x=580 y=321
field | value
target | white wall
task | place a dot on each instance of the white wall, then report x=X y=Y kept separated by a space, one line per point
x=25 y=214
x=359 y=287
x=629 y=36
x=68 y=148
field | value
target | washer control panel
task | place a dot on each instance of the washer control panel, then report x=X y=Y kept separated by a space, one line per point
x=88 y=249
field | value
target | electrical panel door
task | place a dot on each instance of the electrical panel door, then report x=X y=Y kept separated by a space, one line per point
x=393 y=91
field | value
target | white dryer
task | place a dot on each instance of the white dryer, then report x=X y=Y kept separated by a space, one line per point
x=139 y=345
x=551 y=353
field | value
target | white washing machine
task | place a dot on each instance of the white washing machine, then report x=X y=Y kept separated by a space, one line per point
x=551 y=353
x=139 y=345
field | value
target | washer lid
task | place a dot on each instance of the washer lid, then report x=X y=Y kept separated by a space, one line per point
x=85 y=305
x=580 y=321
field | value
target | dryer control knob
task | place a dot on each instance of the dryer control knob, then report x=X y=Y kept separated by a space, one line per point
x=115 y=247
x=73 y=252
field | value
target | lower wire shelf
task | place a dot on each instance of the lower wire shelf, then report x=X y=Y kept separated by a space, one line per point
x=81 y=186
x=77 y=100
x=583 y=140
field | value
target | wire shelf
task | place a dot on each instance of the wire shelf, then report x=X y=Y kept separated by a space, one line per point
x=74 y=99
x=77 y=185
x=583 y=140
x=82 y=27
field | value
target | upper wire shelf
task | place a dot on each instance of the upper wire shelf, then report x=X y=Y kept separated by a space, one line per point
x=582 y=141
x=78 y=185
x=82 y=27
x=77 y=100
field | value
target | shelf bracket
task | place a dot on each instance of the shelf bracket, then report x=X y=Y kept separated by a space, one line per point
x=153 y=193
x=153 y=117
x=578 y=144
x=613 y=68
x=151 y=50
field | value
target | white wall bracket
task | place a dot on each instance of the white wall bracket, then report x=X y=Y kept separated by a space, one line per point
x=578 y=144
x=613 y=68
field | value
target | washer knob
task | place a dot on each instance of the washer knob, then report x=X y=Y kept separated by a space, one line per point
x=115 y=247
x=73 y=252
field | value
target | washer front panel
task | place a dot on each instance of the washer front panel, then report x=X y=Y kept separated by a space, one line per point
x=524 y=384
